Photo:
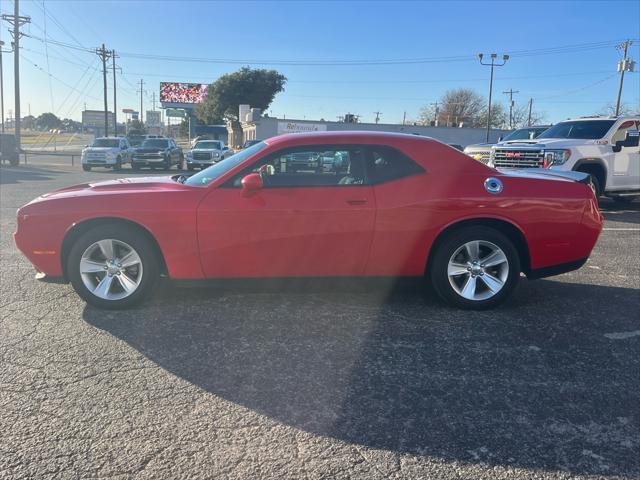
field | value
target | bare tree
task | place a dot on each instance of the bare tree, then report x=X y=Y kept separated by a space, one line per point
x=521 y=116
x=610 y=109
x=457 y=106
x=499 y=117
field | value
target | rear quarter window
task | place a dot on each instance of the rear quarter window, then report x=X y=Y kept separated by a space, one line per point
x=385 y=164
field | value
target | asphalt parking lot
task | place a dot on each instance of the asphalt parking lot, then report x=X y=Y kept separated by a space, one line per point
x=314 y=380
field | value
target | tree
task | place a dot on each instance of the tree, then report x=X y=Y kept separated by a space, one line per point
x=610 y=109
x=521 y=116
x=255 y=87
x=184 y=127
x=48 y=121
x=138 y=126
x=460 y=105
x=70 y=125
x=499 y=117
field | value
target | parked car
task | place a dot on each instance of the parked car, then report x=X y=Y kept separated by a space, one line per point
x=158 y=153
x=109 y=152
x=9 y=149
x=605 y=148
x=404 y=205
x=136 y=139
x=482 y=151
x=207 y=152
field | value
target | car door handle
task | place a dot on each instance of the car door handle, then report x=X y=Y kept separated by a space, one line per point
x=357 y=201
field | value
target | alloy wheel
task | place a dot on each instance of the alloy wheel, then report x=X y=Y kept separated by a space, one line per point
x=478 y=270
x=111 y=269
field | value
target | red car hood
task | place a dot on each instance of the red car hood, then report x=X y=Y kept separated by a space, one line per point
x=118 y=185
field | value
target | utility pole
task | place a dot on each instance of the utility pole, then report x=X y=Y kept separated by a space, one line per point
x=1 y=86
x=377 y=116
x=530 y=107
x=436 y=112
x=404 y=117
x=115 y=105
x=104 y=54
x=16 y=21
x=154 y=100
x=623 y=66
x=141 y=92
x=493 y=57
x=510 y=92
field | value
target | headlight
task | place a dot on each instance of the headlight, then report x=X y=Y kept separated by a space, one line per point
x=555 y=157
x=216 y=155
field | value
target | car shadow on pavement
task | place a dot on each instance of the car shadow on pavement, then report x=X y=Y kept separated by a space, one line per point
x=21 y=174
x=623 y=213
x=548 y=381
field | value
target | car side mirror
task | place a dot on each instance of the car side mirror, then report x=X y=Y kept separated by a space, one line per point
x=500 y=138
x=251 y=184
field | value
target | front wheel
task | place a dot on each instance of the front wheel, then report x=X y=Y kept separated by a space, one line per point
x=181 y=163
x=113 y=267
x=86 y=168
x=166 y=165
x=118 y=165
x=475 y=268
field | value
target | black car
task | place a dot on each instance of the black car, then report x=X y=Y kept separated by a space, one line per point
x=158 y=153
x=9 y=149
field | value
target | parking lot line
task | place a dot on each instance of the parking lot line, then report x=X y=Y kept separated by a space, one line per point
x=622 y=229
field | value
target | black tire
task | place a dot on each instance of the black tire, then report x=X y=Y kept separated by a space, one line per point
x=86 y=168
x=145 y=249
x=438 y=268
x=167 y=163
x=118 y=165
x=190 y=168
x=181 y=163
x=596 y=187
x=135 y=167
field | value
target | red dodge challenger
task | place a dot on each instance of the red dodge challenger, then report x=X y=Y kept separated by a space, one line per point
x=318 y=205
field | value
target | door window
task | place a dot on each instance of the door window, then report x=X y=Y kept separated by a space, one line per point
x=317 y=166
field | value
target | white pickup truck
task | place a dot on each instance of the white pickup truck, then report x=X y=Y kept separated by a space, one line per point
x=605 y=148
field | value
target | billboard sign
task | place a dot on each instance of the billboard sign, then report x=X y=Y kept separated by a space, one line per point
x=95 y=119
x=153 y=119
x=174 y=92
x=297 y=127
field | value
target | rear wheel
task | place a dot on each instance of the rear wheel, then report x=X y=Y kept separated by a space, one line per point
x=86 y=168
x=113 y=267
x=475 y=268
x=118 y=165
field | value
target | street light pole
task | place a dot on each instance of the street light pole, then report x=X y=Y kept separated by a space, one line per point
x=493 y=57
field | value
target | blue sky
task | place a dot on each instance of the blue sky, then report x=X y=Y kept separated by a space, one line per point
x=578 y=82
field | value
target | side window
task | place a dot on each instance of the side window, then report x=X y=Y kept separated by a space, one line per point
x=320 y=166
x=621 y=133
x=386 y=163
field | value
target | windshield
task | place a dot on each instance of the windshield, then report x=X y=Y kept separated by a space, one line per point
x=582 y=129
x=209 y=145
x=524 y=134
x=155 y=143
x=208 y=175
x=106 y=142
